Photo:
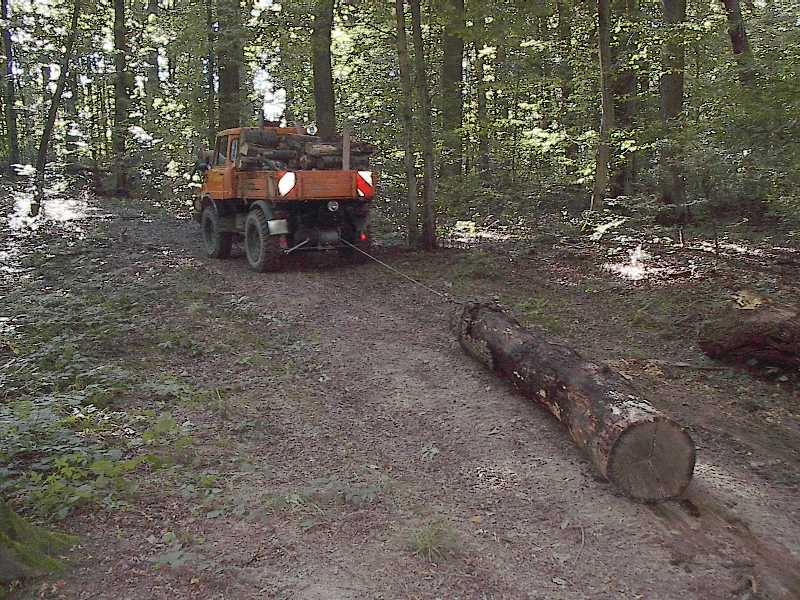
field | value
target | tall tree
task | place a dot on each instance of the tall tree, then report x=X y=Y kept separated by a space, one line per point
x=122 y=100
x=230 y=59
x=66 y=59
x=406 y=117
x=152 y=79
x=624 y=85
x=211 y=72
x=673 y=65
x=9 y=89
x=739 y=42
x=607 y=117
x=426 y=132
x=324 y=95
x=565 y=10
x=451 y=87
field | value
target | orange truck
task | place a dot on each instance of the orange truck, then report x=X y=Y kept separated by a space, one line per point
x=278 y=207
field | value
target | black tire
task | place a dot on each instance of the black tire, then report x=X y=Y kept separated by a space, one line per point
x=217 y=242
x=263 y=250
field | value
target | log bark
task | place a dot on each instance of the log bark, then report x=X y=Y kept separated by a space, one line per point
x=770 y=334
x=253 y=150
x=633 y=445
x=337 y=149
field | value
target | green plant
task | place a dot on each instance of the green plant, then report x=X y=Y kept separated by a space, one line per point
x=434 y=542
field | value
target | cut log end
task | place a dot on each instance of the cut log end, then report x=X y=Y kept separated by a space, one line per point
x=652 y=461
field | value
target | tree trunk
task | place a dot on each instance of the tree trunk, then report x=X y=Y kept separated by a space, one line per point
x=739 y=41
x=451 y=87
x=426 y=132
x=566 y=14
x=71 y=107
x=9 y=89
x=153 y=82
x=647 y=455
x=673 y=59
x=47 y=132
x=324 y=96
x=624 y=85
x=607 y=118
x=483 y=118
x=211 y=70
x=230 y=58
x=105 y=112
x=406 y=117
x=122 y=100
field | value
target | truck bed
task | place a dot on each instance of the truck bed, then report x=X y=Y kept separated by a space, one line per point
x=304 y=186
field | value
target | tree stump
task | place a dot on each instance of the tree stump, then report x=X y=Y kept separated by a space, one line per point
x=646 y=454
x=770 y=333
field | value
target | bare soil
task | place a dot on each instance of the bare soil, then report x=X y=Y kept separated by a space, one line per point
x=344 y=420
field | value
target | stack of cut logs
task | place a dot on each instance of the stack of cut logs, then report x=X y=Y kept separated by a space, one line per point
x=263 y=149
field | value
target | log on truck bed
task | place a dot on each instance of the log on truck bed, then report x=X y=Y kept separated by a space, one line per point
x=647 y=455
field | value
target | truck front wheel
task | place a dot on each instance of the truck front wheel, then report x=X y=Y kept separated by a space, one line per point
x=263 y=250
x=217 y=242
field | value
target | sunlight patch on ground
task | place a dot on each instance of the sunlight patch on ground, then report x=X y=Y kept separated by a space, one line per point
x=634 y=268
x=467 y=233
x=21 y=217
x=708 y=246
x=55 y=208
x=8 y=258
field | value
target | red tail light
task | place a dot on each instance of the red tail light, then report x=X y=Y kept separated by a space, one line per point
x=362 y=237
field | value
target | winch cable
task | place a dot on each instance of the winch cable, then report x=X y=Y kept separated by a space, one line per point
x=442 y=295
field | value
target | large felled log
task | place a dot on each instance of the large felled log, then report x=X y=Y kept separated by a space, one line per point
x=647 y=455
x=770 y=333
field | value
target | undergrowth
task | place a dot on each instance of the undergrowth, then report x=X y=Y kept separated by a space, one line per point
x=67 y=434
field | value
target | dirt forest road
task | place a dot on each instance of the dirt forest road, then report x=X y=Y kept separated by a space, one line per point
x=342 y=446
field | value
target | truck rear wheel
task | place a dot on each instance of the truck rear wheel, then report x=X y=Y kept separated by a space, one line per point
x=217 y=242
x=263 y=250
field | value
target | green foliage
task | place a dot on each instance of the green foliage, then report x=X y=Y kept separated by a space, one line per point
x=64 y=440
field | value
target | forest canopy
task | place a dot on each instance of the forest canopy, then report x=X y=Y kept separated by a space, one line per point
x=680 y=101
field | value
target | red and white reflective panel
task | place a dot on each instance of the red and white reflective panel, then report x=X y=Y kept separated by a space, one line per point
x=364 y=185
x=286 y=182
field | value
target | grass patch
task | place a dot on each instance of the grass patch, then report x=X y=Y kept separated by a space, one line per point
x=434 y=542
x=539 y=310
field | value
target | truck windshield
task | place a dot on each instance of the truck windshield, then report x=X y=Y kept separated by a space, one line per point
x=222 y=150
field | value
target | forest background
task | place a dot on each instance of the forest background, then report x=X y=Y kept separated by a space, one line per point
x=526 y=104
